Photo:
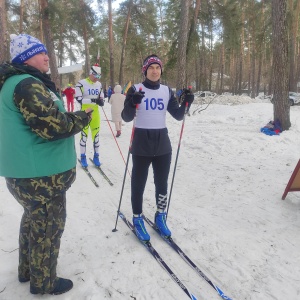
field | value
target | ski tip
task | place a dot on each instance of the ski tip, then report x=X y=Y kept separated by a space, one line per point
x=220 y=292
x=193 y=297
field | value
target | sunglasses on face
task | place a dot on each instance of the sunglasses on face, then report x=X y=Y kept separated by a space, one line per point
x=98 y=76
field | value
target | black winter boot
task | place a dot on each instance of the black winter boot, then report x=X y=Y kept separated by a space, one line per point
x=62 y=286
x=23 y=279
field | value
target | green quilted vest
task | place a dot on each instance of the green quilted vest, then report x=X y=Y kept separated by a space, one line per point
x=23 y=154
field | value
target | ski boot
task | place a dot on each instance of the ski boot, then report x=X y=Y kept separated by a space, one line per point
x=160 y=221
x=140 y=228
x=83 y=161
x=96 y=160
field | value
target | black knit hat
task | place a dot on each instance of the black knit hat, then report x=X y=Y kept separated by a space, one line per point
x=150 y=60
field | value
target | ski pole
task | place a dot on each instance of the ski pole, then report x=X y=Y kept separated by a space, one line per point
x=113 y=135
x=178 y=148
x=126 y=167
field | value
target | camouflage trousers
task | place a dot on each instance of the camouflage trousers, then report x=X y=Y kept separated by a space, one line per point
x=42 y=225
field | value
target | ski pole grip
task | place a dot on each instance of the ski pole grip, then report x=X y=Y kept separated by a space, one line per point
x=186 y=103
x=137 y=106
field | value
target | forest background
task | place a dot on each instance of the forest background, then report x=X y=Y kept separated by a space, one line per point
x=217 y=45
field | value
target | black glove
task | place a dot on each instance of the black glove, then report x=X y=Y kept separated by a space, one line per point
x=99 y=101
x=137 y=97
x=188 y=96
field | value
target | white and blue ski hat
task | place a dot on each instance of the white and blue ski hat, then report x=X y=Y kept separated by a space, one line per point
x=24 y=46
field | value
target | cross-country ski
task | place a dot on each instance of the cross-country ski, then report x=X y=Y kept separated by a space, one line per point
x=102 y=173
x=88 y=173
x=184 y=256
x=160 y=260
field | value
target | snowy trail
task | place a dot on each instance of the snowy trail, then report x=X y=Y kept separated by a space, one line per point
x=226 y=212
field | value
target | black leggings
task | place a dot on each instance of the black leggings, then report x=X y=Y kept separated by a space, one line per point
x=161 y=168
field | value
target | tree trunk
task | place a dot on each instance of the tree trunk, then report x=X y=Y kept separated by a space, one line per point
x=253 y=51
x=193 y=33
x=202 y=62
x=241 y=58
x=161 y=19
x=298 y=68
x=259 y=73
x=124 y=42
x=3 y=37
x=85 y=39
x=260 y=47
x=182 y=44
x=111 y=45
x=293 y=30
x=249 y=66
x=49 y=41
x=61 y=50
x=221 y=89
x=211 y=46
x=280 y=63
x=21 y=16
x=197 y=71
x=237 y=73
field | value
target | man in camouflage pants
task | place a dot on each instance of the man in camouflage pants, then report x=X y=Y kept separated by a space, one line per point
x=42 y=225
x=38 y=165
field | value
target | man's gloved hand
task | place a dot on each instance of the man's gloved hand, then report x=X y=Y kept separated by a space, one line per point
x=137 y=97
x=99 y=101
x=188 y=96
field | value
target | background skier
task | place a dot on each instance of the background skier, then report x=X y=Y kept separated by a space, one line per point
x=88 y=92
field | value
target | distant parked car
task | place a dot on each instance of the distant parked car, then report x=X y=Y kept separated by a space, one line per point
x=207 y=94
x=294 y=98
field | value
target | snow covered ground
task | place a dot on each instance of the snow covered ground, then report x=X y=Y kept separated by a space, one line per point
x=226 y=213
